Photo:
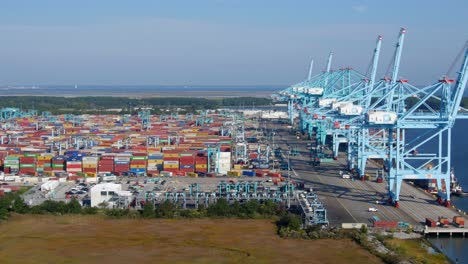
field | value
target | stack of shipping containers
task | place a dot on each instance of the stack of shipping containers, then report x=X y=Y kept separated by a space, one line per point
x=27 y=164
x=106 y=164
x=46 y=161
x=186 y=162
x=138 y=163
x=11 y=164
x=201 y=162
x=90 y=165
x=73 y=162
x=171 y=161
x=58 y=164
x=155 y=163
x=224 y=162
x=115 y=145
x=121 y=164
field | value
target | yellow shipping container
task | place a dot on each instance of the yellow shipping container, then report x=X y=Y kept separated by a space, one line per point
x=192 y=174
x=238 y=167
x=234 y=173
x=91 y=174
x=89 y=165
x=171 y=166
x=137 y=166
x=44 y=158
x=155 y=161
x=201 y=166
x=171 y=155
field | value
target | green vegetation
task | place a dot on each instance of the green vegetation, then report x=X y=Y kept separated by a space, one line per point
x=96 y=239
x=13 y=202
x=288 y=225
x=414 y=250
x=102 y=104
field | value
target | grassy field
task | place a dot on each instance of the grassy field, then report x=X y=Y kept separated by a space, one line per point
x=414 y=249
x=93 y=239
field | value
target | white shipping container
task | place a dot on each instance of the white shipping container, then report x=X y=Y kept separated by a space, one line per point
x=315 y=91
x=336 y=105
x=326 y=102
x=353 y=225
x=49 y=185
x=381 y=117
x=90 y=159
x=350 y=110
x=171 y=162
x=166 y=173
x=31 y=179
x=122 y=159
x=91 y=179
x=12 y=178
x=73 y=162
x=12 y=162
x=225 y=155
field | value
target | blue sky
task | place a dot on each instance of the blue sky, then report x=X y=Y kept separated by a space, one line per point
x=239 y=42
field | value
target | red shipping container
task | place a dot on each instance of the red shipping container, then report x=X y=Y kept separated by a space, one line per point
x=106 y=161
x=272 y=174
x=171 y=158
x=385 y=224
x=138 y=162
x=27 y=160
x=107 y=157
x=73 y=166
x=89 y=170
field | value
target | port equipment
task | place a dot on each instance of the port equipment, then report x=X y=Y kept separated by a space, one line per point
x=380 y=128
x=145 y=117
x=12 y=113
x=428 y=126
x=312 y=210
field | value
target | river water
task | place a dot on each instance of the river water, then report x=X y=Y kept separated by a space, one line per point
x=457 y=247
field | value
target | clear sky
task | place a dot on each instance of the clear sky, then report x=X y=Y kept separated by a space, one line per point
x=211 y=42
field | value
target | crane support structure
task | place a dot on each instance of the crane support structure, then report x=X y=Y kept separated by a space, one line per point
x=387 y=119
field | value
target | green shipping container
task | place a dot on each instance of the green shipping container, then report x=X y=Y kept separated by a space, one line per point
x=27 y=165
x=139 y=158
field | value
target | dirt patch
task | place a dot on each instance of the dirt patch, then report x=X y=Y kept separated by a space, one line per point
x=93 y=239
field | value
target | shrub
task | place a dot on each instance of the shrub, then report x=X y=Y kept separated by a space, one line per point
x=290 y=221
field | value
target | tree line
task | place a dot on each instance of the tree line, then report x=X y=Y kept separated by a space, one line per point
x=253 y=209
x=102 y=104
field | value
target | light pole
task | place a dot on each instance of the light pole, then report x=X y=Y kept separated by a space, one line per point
x=289 y=180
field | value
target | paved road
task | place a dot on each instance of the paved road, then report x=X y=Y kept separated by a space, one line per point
x=349 y=200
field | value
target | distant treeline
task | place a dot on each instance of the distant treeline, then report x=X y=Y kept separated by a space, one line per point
x=431 y=102
x=102 y=104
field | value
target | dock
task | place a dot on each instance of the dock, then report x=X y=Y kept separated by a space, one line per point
x=349 y=200
x=445 y=231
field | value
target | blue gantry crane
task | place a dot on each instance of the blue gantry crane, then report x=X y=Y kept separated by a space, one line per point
x=375 y=118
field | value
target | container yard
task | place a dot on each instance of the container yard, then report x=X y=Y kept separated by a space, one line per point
x=125 y=161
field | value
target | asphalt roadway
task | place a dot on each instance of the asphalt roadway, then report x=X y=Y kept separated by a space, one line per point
x=349 y=200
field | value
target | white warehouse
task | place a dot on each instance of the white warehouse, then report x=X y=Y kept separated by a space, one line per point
x=103 y=192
